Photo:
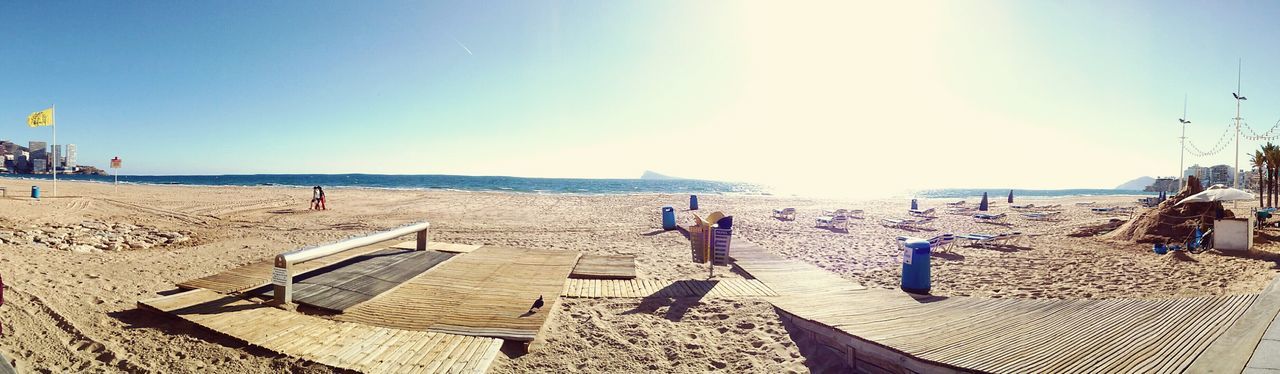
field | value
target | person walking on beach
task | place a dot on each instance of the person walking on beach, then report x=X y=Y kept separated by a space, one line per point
x=315 y=198
x=321 y=190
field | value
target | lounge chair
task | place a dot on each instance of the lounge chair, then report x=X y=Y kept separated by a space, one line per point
x=990 y=218
x=785 y=214
x=922 y=213
x=1050 y=207
x=938 y=244
x=984 y=240
x=1022 y=207
x=1106 y=210
x=837 y=212
x=1041 y=216
x=834 y=222
x=958 y=203
x=964 y=211
x=907 y=223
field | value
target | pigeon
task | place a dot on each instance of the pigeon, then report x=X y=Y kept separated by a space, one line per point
x=1183 y=121
x=1238 y=97
x=537 y=304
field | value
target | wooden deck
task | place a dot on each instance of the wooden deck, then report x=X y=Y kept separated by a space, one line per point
x=356 y=280
x=892 y=331
x=487 y=292
x=605 y=267
x=639 y=288
x=257 y=274
x=337 y=344
x=438 y=246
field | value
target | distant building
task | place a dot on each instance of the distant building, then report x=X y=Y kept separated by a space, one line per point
x=1162 y=184
x=1221 y=174
x=38 y=151
x=39 y=165
x=71 y=157
x=56 y=161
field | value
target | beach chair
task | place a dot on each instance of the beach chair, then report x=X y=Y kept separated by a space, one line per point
x=785 y=214
x=1106 y=210
x=1022 y=207
x=922 y=213
x=839 y=218
x=942 y=243
x=976 y=240
x=1085 y=203
x=1050 y=207
x=855 y=214
x=958 y=203
x=1041 y=215
x=917 y=223
x=990 y=218
x=833 y=213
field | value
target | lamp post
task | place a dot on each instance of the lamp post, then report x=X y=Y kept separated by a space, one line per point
x=1235 y=181
x=1183 y=155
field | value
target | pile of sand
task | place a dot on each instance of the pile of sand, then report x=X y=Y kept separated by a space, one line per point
x=1169 y=222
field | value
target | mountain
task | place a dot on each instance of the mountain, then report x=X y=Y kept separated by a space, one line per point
x=649 y=174
x=1137 y=184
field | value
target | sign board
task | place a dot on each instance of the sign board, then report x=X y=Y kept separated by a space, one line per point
x=115 y=162
x=906 y=255
x=279 y=276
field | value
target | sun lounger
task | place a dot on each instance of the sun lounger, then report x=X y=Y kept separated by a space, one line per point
x=958 y=203
x=989 y=218
x=1105 y=210
x=938 y=244
x=922 y=213
x=982 y=240
x=1086 y=203
x=907 y=222
x=1024 y=206
x=785 y=214
x=1041 y=216
x=834 y=222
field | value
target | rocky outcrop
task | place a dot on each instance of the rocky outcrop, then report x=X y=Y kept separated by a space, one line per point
x=94 y=236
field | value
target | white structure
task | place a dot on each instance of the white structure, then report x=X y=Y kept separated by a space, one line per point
x=1233 y=234
x=70 y=161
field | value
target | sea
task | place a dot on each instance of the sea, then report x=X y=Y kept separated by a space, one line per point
x=531 y=185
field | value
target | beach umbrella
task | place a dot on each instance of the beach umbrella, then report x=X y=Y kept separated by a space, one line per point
x=1218 y=193
x=1010 y=196
x=983 y=205
x=914 y=206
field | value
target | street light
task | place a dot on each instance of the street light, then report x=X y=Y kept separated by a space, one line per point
x=1183 y=155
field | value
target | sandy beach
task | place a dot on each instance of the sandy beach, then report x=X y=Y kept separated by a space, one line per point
x=73 y=309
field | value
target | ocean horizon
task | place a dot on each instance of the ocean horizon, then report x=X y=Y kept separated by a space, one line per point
x=535 y=185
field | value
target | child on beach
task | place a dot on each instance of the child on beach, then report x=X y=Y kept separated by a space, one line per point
x=315 y=198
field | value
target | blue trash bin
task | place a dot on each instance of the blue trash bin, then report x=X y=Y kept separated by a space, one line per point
x=693 y=202
x=914 y=204
x=668 y=218
x=915 y=266
x=35 y=192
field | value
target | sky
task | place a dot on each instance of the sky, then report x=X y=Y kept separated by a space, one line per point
x=822 y=97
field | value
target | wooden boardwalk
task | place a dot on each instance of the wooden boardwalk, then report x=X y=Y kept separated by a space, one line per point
x=639 y=288
x=338 y=344
x=893 y=331
x=487 y=292
x=438 y=246
x=605 y=267
x=257 y=274
x=347 y=283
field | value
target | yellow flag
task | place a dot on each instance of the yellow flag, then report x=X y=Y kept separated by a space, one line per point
x=41 y=118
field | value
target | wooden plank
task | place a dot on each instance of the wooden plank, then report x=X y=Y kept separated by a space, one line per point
x=1231 y=351
x=487 y=292
x=334 y=343
x=605 y=267
x=358 y=279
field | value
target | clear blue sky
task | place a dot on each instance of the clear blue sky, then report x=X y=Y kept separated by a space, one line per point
x=1033 y=94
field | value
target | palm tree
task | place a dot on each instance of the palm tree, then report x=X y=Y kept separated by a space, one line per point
x=1259 y=161
x=1272 y=154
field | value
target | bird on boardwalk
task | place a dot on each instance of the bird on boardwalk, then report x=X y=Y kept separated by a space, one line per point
x=537 y=304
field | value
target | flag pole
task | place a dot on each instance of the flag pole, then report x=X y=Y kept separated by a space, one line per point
x=53 y=118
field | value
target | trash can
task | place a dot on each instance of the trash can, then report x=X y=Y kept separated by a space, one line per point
x=35 y=192
x=693 y=202
x=915 y=266
x=668 y=218
x=914 y=204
